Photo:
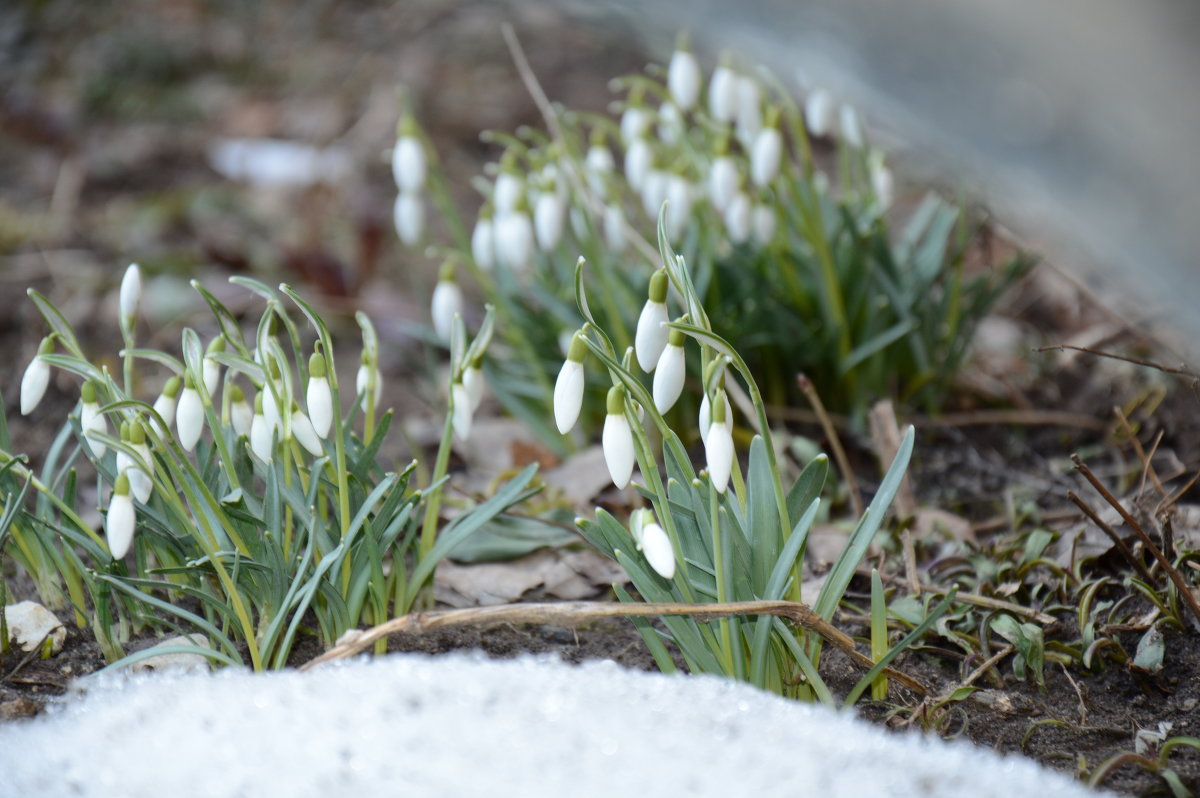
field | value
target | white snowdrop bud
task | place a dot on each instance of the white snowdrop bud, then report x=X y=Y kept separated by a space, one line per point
x=657 y=548
x=737 y=218
x=409 y=217
x=882 y=182
x=408 y=159
x=474 y=382
x=240 y=413
x=723 y=94
x=635 y=121
x=318 y=396
x=683 y=78
x=446 y=304
x=514 y=241
x=722 y=181
x=749 y=110
x=121 y=519
x=548 y=214
x=654 y=192
x=670 y=372
x=599 y=165
x=718 y=446
x=270 y=401
x=568 y=388
x=36 y=378
x=851 y=126
x=261 y=430
x=818 y=112
x=165 y=404
x=763 y=222
x=189 y=415
x=303 y=433
x=460 y=419
x=210 y=366
x=141 y=483
x=617 y=439
x=614 y=228
x=651 y=336
x=508 y=192
x=766 y=156
x=483 y=241
x=92 y=420
x=705 y=415
x=638 y=160
x=368 y=380
x=670 y=122
x=131 y=295
x=678 y=196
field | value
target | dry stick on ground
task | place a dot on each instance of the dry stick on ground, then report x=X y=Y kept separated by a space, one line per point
x=987 y=602
x=1126 y=552
x=1180 y=370
x=1185 y=592
x=835 y=443
x=1146 y=459
x=576 y=613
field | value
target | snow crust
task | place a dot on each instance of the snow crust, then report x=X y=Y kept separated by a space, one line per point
x=463 y=725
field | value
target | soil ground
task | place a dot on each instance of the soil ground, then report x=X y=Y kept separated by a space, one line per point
x=105 y=117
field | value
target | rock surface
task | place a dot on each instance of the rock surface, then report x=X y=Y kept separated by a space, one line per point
x=29 y=623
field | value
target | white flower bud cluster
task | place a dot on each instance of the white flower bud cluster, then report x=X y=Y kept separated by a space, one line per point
x=409 y=167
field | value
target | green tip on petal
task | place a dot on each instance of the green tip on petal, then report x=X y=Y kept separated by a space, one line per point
x=615 y=403
x=88 y=392
x=124 y=430
x=46 y=347
x=171 y=389
x=236 y=394
x=258 y=399
x=316 y=366
x=718 y=409
x=446 y=273
x=578 y=349
x=273 y=368
x=772 y=117
x=676 y=337
x=137 y=433
x=658 y=286
x=121 y=486
x=217 y=345
x=477 y=361
x=189 y=381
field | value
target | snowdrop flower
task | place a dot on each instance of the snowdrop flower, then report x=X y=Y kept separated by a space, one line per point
x=514 y=240
x=509 y=190
x=635 y=121
x=705 y=415
x=652 y=541
x=189 y=415
x=723 y=94
x=447 y=303
x=548 y=213
x=763 y=222
x=36 y=378
x=882 y=182
x=568 y=388
x=737 y=218
x=240 y=413
x=483 y=240
x=669 y=373
x=654 y=192
x=408 y=158
x=651 y=336
x=303 y=432
x=474 y=382
x=270 y=401
x=617 y=439
x=460 y=400
x=599 y=165
x=638 y=160
x=670 y=122
x=121 y=518
x=679 y=205
x=766 y=155
x=131 y=295
x=212 y=369
x=718 y=446
x=818 y=112
x=409 y=217
x=722 y=181
x=141 y=483
x=318 y=396
x=683 y=77
x=749 y=110
x=91 y=419
x=614 y=228
x=367 y=382
x=164 y=405
x=851 y=126
x=261 y=431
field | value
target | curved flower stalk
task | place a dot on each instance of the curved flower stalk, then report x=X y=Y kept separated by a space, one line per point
x=36 y=378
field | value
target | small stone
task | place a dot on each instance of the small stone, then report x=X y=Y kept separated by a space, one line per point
x=18 y=708
x=29 y=623
x=179 y=661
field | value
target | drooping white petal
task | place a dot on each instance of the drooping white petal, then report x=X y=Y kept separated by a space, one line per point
x=718 y=452
x=818 y=112
x=362 y=381
x=131 y=293
x=408 y=215
x=141 y=483
x=319 y=400
x=599 y=164
x=668 y=377
x=737 y=218
x=92 y=420
x=568 y=395
x=33 y=384
x=305 y=435
x=654 y=192
x=650 y=338
x=683 y=79
x=548 y=215
x=657 y=548
x=241 y=415
x=475 y=383
x=514 y=241
x=167 y=401
x=617 y=442
x=119 y=524
x=508 y=192
x=634 y=122
x=704 y=420
x=882 y=182
x=461 y=418
x=679 y=205
x=763 y=223
x=850 y=125
x=722 y=182
x=723 y=94
x=614 y=228
x=189 y=417
x=261 y=433
x=408 y=164
x=670 y=122
x=447 y=303
x=270 y=406
x=766 y=156
x=212 y=375
x=638 y=159
x=483 y=244
x=749 y=110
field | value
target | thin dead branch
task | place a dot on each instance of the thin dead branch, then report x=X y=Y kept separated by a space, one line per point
x=835 y=443
x=1137 y=361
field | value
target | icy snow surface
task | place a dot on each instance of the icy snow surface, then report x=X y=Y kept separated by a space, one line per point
x=461 y=725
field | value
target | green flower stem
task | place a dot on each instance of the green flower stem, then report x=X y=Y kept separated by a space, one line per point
x=68 y=513
x=714 y=512
x=433 y=500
